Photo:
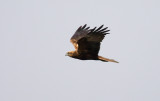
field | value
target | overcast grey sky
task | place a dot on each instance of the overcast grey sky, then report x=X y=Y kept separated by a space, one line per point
x=35 y=35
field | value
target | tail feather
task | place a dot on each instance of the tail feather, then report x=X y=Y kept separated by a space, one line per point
x=106 y=59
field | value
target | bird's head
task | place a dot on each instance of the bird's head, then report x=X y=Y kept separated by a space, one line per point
x=71 y=53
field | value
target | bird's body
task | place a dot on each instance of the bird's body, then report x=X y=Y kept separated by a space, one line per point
x=87 y=43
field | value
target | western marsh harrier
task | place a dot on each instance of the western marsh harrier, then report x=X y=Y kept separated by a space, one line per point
x=87 y=43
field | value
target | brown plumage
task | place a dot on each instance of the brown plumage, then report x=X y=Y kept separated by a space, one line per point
x=87 y=43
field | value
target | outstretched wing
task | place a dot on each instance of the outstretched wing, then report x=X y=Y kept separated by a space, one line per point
x=87 y=41
x=81 y=32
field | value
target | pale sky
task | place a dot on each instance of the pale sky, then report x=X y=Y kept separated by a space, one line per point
x=35 y=35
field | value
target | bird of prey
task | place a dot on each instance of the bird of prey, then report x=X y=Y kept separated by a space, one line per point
x=87 y=43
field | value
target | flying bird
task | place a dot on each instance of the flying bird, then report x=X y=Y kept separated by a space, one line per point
x=87 y=42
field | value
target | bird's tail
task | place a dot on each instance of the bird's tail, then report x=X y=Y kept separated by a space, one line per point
x=106 y=59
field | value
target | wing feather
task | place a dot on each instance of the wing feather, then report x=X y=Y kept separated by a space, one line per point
x=86 y=40
x=99 y=28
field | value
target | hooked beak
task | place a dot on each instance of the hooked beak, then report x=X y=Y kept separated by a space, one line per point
x=66 y=54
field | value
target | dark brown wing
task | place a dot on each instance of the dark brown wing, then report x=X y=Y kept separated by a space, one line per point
x=87 y=41
x=81 y=32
